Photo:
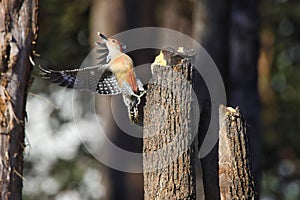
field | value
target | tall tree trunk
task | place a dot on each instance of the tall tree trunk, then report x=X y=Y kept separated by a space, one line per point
x=169 y=150
x=18 y=24
x=231 y=39
x=102 y=20
x=126 y=14
x=242 y=74
x=215 y=40
x=177 y=15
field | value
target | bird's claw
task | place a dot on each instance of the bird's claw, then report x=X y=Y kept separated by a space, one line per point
x=139 y=96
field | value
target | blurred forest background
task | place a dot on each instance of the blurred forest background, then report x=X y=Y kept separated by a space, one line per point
x=58 y=166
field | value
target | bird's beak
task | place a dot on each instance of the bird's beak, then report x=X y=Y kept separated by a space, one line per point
x=102 y=36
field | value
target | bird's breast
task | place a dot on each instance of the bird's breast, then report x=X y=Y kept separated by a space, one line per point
x=122 y=68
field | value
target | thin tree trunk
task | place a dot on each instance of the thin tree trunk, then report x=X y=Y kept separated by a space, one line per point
x=169 y=151
x=236 y=181
x=18 y=24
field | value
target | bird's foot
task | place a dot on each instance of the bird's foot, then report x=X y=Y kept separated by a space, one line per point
x=139 y=96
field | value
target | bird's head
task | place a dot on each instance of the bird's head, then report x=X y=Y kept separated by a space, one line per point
x=112 y=44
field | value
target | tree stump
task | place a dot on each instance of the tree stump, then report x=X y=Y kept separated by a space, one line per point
x=168 y=149
x=235 y=179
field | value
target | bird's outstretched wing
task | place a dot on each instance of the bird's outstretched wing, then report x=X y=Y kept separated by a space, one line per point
x=102 y=53
x=95 y=79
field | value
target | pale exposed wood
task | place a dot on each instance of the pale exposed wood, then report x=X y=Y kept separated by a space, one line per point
x=235 y=179
x=18 y=35
x=169 y=151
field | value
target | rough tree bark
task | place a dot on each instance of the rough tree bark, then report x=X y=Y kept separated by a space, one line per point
x=235 y=178
x=18 y=35
x=169 y=151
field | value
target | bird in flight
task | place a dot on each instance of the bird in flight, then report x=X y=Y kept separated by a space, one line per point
x=113 y=74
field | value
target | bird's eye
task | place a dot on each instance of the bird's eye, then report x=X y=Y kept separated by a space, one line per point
x=113 y=41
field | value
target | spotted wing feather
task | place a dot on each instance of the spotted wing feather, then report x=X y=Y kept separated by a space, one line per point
x=91 y=79
x=63 y=78
x=108 y=85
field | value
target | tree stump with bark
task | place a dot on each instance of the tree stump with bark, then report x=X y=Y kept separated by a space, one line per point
x=235 y=179
x=169 y=150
